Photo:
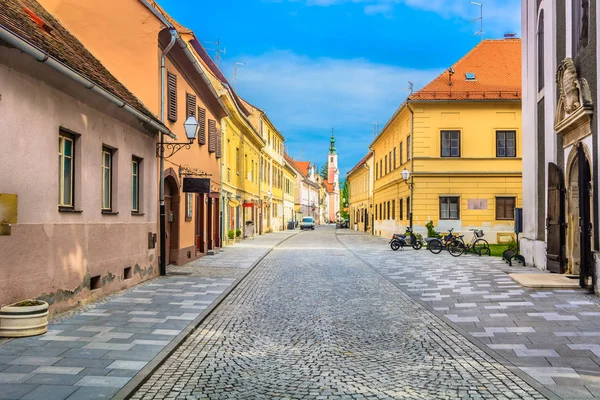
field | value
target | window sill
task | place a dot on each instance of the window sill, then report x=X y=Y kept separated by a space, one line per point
x=137 y=214
x=107 y=212
x=69 y=210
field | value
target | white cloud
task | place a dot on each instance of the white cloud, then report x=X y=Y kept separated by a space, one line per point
x=305 y=97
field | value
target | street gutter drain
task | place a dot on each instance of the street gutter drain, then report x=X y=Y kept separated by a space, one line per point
x=95 y=282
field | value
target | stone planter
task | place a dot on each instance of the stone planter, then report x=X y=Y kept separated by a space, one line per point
x=18 y=320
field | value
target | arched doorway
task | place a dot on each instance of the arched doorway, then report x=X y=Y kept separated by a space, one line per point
x=172 y=200
x=579 y=214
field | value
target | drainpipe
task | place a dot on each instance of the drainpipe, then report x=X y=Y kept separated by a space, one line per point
x=412 y=161
x=374 y=206
x=163 y=227
x=21 y=44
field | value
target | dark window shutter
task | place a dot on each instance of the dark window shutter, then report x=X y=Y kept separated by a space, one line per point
x=202 y=126
x=219 y=150
x=212 y=136
x=171 y=97
x=190 y=105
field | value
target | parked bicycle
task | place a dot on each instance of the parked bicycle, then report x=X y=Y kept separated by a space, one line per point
x=399 y=240
x=436 y=245
x=477 y=245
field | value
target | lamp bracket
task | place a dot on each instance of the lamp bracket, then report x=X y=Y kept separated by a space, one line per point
x=168 y=149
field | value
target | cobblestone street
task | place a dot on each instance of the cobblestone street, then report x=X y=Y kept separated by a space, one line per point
x=313 y=321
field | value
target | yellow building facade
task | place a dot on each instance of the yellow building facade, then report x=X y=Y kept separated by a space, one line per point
x=461 y=144
x=360 y=202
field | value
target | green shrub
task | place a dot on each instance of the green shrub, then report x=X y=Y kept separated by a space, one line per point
x=512 y=245
x=431 y=233
x=238 y=232
x=231 y=234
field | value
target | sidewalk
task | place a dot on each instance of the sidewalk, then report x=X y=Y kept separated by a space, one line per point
x=109 y=348
x=553 y=336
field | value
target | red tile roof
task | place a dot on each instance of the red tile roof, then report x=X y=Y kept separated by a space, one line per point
x=360 y=163
x=300 y=166
x=328 y=186
x=32 y=23
x=497 y=68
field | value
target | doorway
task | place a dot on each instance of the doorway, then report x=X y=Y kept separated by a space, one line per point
x=579 y=216
x=172 y=219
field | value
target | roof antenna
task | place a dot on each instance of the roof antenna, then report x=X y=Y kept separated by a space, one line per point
x=480 y=19
x=218 y=50
x=410 y=87
x=450 y=73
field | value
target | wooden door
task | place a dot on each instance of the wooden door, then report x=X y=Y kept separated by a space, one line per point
x=168 y=229
x=555 y=222
x=210 y=219
x=585 y=222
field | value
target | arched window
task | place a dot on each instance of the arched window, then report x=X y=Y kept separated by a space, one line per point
x=540 y=50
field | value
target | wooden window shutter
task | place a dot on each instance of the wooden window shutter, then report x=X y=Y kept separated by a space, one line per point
x=219 y=150
x=171 y=97
x=202 y=126
x=212 y=136
x=190 y=105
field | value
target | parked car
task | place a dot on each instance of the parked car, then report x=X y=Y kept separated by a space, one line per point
x=307 y=223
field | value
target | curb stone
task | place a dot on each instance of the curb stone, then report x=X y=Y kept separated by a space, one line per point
x=481 y=346
x=142 y=376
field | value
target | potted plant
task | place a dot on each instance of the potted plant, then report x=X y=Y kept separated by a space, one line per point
x=238 y=234
x=25 y=318
x=230 y=236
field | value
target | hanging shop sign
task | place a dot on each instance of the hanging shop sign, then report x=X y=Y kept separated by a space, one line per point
x=196 y=185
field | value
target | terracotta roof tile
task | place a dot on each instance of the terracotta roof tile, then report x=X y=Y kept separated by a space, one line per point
x=300 y=166
x=497 y=68
x=32 y=23
x=180 y=28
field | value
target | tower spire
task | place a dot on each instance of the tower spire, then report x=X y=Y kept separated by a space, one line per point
x=332 y=149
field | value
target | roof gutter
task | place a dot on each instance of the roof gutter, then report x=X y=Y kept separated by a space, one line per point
x=21 y=44
x=184 y=47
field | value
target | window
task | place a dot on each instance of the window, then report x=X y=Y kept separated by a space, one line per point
x=377 y=171
x=580 y=26
x=408 y=148
x=171 y=97
x=386 y=164
x=66 y=157
x=450 y=143
x=408 y=207
x=401 y=204
x=390 y=161
x=135 y=184
x=394 y=158
x=387 y=215
x=449 y=208
x=470 y=76
x=107 y=179
x=505 y=208
x=380 y=168
x=190 y=105
x=400 y=153
x=212 y=136
x=237 y=161
x=505 y=144
x=189 y=206
x=202 y=126
x=540 y=50
x=393 y=209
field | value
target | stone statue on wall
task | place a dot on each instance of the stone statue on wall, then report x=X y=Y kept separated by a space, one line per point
x=573 y=91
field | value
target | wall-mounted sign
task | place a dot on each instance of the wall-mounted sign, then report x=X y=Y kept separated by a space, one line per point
x=8 y=212
x=196 y=185
x=248 y=204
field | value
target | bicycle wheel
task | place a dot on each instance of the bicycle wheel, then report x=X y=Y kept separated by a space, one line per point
x=435 y=246
x=481 y=247
x=456 y=248
x=395 y=245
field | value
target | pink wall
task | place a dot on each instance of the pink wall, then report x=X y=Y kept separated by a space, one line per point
x=53 y=253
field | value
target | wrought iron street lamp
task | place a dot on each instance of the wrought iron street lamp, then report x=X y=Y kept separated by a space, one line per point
x=406 y=177
x=191 y=126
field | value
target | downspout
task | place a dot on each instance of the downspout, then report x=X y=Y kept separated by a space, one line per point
x=163 y=227
x=412 y=160
x=374 y=206
x=24 y=46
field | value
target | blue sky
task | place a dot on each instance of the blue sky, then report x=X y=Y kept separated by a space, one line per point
x=317 y=64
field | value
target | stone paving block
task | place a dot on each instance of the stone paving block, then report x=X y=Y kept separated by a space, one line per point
x=32 y=360
x=52 y=379
x=11 y=391
x=520 y=352
x=127 y=364
x=102 y=381
x=14 y=377
x=83 y=363
x=572 y=392
x=50 y=392
x=93 y=371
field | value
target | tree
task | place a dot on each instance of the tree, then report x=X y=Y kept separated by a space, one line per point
x=344 y=198
x=324 y=171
